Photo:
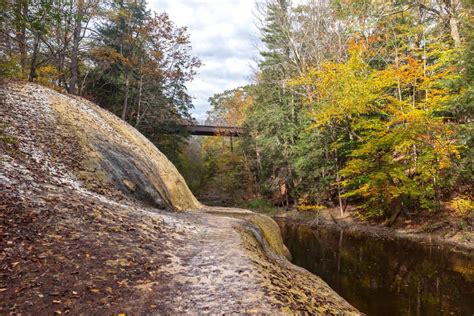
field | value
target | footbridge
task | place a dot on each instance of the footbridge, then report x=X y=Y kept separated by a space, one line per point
x=209 y=130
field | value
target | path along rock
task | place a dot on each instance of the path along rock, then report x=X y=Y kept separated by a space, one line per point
x=95 y=220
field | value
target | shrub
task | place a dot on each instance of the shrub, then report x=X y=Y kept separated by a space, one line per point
x=463 y=206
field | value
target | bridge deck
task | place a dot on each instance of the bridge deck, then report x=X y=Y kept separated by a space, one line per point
x=208 y=130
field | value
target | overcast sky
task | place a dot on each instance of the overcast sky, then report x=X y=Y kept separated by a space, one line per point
x=224 y=36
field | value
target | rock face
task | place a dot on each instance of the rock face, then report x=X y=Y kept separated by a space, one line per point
x=118 y=154
x=89 y=224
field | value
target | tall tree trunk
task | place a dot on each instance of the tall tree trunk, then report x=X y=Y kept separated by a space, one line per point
x=61 y=81
x=338 y=177
x=125 y=99
x=73 y=85
x=21 y=13
x=140 y=92
x=453 y=24
x=255 y=190
x=259 y=160
x=81 y=88
x=339 y=198
x=34 y=58
x=453 y=6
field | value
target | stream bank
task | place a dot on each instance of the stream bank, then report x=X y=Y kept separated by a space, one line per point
x=440 y=229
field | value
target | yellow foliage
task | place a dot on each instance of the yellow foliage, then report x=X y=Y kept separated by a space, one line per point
x=304 y=206
x=394 y=115
x=338 y=91
x=463 y=206
x=47 y=75
x=110 y=56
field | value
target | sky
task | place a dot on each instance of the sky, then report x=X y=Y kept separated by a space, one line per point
x=224 y=36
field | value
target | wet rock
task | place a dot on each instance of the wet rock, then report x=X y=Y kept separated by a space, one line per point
x=268 y=228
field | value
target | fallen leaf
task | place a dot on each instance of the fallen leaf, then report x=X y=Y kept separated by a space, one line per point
x=123 y=282
x=18 y=290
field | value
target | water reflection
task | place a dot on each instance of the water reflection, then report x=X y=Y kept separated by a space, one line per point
x=385 y=276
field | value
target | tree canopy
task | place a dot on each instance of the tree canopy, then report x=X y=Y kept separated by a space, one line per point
x=118 y=53
x=366 y=103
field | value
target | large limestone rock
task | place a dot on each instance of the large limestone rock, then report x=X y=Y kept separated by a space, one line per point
x=118 y=154
x=86 y=227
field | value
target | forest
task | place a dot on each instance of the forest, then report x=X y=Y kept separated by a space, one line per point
x=355 y=103
x=360 y=103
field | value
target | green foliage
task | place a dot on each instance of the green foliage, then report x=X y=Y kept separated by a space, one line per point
x=461 y=112
x=192 y=169
x=383 y=122
x=361 y=102
x=142 y=62
x=9 y=67
x=261 y=205
x=275 y=117
x=403 y=145
x=220 y=168
x=129 y=60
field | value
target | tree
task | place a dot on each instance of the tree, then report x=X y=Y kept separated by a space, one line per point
x=142 y=62
x=226 y=159
x=372 y=114
x=118 y=53
x=38 y=36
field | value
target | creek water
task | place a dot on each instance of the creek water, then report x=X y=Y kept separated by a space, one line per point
x=384 y=276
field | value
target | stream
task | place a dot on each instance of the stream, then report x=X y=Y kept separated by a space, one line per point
x=384 y=276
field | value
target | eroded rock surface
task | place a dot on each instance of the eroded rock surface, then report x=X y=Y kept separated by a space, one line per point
x=86 y=226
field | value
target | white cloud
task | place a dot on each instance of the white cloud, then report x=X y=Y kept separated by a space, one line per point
x=223 y=36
